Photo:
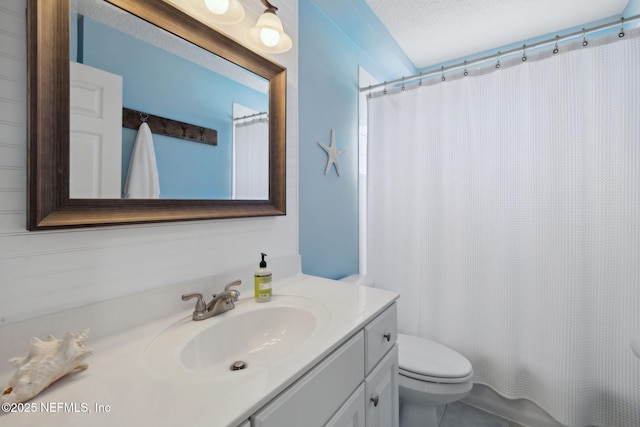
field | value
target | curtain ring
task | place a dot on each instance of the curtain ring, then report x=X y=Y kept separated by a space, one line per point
x=420 y=80
x=369 y=91
x=584 y=37
x=402 y=83
x=443 y=78
x=621 y=33
x=524 y=52
x=466 y=73
x=384 y=91
x=498 y=63
x=555 y=50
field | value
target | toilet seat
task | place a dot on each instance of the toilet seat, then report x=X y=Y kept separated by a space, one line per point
x=426 y=360
x=431 y=379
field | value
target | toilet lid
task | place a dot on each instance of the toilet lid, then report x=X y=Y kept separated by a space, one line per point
x=429 y=359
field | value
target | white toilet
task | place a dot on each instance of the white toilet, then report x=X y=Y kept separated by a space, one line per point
x=431 y=375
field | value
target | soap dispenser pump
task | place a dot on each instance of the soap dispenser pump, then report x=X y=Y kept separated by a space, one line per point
x=262 y=281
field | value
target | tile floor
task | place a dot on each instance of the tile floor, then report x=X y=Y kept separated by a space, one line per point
x=459 y=414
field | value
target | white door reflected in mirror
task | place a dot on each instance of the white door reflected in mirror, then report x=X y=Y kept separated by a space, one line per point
x=95 y=133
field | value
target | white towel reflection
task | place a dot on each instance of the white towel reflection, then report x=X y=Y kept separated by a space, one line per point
x=142 y=178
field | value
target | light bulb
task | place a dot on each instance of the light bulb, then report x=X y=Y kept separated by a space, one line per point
x=268 y=34
x=269 y=37
x=218 y=7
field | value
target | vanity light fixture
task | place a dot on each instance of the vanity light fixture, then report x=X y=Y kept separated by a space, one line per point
x=268 y=34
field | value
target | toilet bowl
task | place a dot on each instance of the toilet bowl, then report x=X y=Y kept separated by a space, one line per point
x=430 y=375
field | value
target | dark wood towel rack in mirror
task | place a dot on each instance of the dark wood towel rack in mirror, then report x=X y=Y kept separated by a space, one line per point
x=132 y=119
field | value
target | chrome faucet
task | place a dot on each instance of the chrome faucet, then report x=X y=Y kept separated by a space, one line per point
x=224 y=301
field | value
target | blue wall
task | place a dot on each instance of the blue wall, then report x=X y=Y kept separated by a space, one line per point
x=328 y=99
x=633 y=8
x=160 y=83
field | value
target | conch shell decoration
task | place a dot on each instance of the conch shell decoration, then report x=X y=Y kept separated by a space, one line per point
x=46 y=362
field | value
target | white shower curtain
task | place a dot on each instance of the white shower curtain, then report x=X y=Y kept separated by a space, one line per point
x=251 y=166
x=505 y=208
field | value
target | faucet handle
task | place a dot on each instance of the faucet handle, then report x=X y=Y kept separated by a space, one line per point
x=234 y=292
x=200 y=304
x=234 y=283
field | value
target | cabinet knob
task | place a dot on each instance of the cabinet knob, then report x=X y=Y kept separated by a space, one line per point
x=387 y=336
x=375 y=400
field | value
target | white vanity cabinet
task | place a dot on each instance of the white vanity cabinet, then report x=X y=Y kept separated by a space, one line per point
x=327 y=371
x=355 y=386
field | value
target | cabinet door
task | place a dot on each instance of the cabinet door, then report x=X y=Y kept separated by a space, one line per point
x=382 y=392
x=352 y=413
x=320 y=393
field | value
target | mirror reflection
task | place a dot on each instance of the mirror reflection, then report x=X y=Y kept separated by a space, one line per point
x=153 y=116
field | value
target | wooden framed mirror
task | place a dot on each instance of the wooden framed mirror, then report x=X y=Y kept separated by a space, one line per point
x=49 y=202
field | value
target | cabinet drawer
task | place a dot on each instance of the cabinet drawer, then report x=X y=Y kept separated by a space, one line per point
x=319 y=394
x=380 y=336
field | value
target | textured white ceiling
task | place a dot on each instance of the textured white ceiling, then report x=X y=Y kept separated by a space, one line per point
x=435 y=31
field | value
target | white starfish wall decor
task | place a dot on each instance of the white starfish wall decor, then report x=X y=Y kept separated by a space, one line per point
x=332 y=154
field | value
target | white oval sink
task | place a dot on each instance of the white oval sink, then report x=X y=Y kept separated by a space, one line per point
x=254 y=337
x=259 y=334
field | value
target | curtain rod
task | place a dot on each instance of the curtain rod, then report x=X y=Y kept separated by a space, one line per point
x=557 y=39
x=250 y=115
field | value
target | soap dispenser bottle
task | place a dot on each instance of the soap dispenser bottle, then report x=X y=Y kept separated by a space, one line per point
x=262 y=281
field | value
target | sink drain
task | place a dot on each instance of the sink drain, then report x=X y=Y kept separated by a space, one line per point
x=238 y=365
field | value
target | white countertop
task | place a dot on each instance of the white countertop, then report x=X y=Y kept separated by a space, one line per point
x=119 y=390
